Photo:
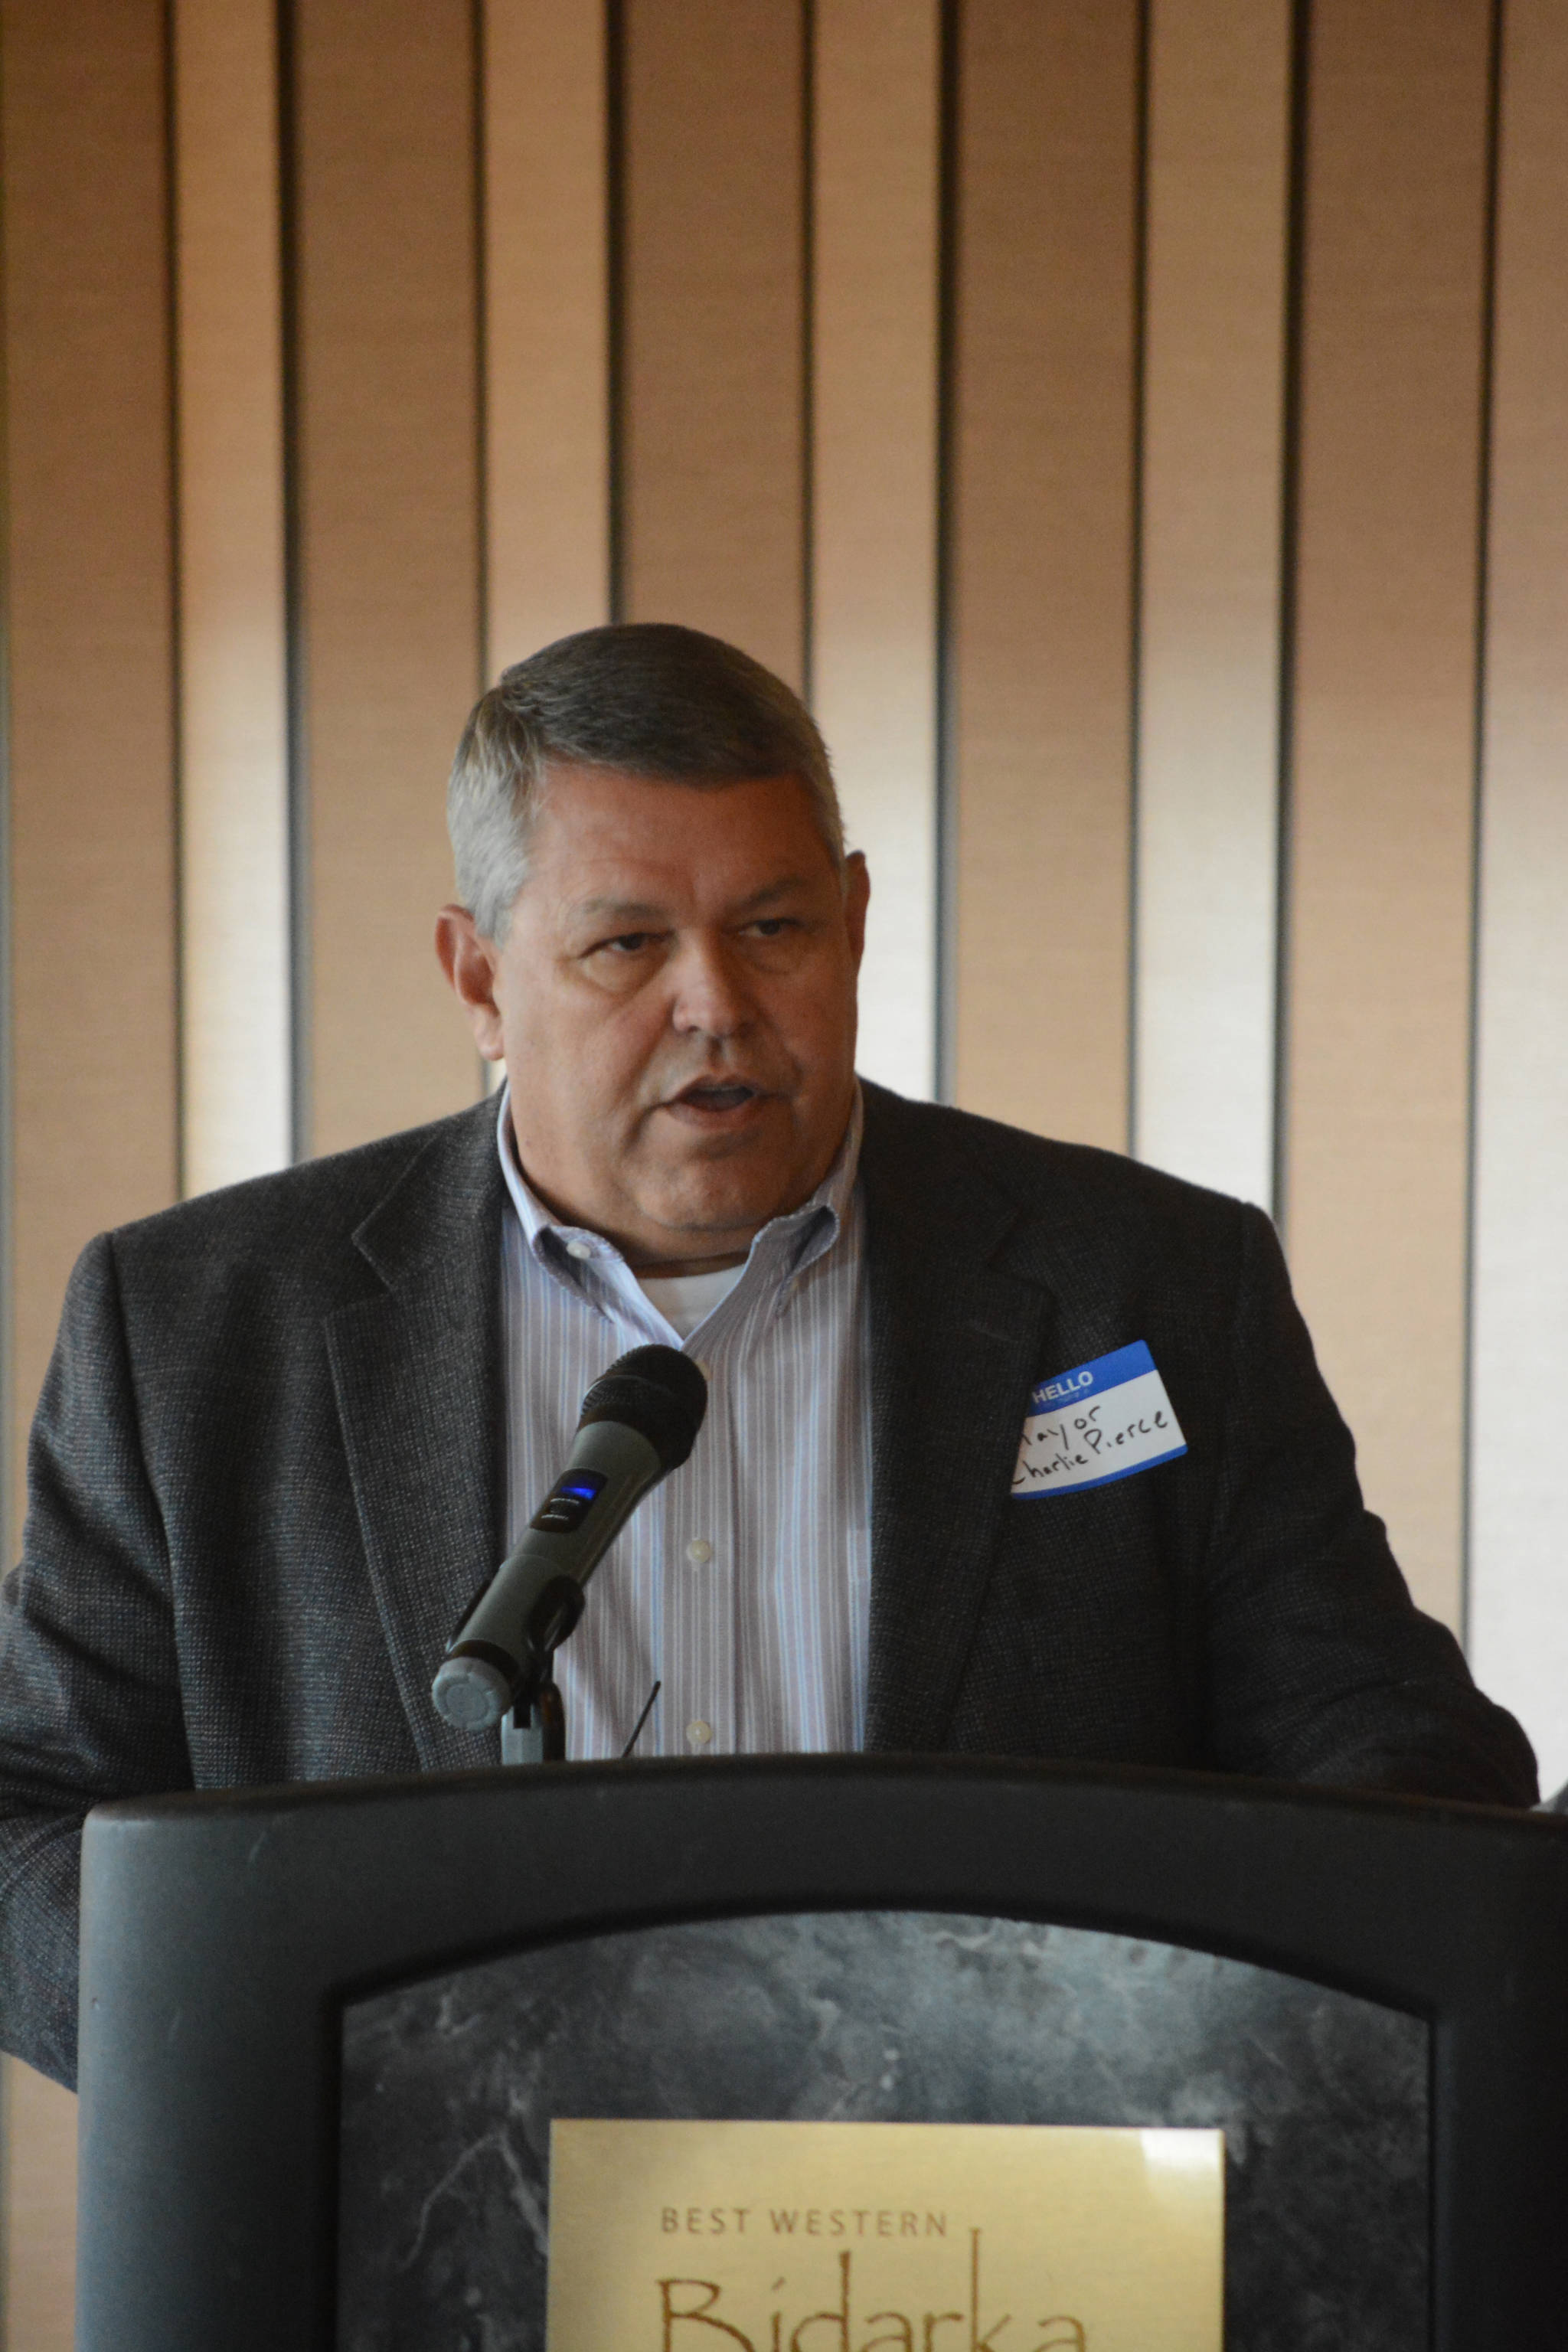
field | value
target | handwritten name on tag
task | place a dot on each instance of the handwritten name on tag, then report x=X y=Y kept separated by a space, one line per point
x=1101 y=1421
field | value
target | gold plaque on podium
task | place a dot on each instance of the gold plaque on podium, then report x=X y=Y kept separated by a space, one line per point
x=859 y=2237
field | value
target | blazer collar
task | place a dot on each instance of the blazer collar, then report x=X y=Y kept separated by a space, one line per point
x=416 y=1369
x=965 y=1281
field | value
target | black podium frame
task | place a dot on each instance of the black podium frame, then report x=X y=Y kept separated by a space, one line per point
x=222 y=1936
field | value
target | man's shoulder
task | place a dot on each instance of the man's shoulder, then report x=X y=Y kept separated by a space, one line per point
x=1123 y=1248
x=924 y=1148
x=317 y=1206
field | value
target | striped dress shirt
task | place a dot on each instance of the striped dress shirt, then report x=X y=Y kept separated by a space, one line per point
x=742 y=1582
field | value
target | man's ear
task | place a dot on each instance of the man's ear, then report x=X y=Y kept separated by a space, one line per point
x=856 y=896
x=469 y=963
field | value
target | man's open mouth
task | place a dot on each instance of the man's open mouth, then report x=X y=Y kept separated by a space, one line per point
x=718 y=1095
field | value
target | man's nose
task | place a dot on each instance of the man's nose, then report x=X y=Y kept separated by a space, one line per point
x=712 y=994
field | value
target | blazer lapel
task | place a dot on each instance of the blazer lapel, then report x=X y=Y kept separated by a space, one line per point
x=417 y=1374
x=970 y=1291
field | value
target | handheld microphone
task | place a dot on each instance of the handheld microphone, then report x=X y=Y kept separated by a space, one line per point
x=639 y=1420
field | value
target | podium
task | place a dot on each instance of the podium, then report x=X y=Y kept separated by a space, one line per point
x=325 y=2027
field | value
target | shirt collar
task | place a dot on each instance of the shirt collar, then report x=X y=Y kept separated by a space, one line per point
x=789 y=1243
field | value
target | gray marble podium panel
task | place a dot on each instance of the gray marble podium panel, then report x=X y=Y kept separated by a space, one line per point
x=449 y=2086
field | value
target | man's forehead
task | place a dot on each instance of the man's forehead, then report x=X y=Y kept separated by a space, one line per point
x=606 y=841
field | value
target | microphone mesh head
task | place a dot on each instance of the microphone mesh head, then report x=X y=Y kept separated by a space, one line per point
x=659 y=1392
x=471 y=1693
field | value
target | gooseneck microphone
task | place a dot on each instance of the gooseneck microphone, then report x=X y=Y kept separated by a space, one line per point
x=639 y=1420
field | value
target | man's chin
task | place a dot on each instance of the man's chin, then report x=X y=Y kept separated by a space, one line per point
x=723 y=1204
x=725 y=1223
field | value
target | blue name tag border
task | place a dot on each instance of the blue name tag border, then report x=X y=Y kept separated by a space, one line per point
x=1092 y=1378
x=1111 y=1479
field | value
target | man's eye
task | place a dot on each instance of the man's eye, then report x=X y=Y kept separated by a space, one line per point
x=628 y=942
x=772 y=927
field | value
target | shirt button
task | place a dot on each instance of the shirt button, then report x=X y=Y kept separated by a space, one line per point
x=579 y=1249
x=698 y=1732
x=699 y=1550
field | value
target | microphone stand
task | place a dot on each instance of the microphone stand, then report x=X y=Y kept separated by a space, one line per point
x=534 y=1731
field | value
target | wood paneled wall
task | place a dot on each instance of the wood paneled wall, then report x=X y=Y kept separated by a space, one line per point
x=710 y=418
x=384 y=328
x=236 y=961
x=1518 y=1621
x=1383 y=777
x=1042 y=559
x=90 y=594
x=1206 y=840
x=1141 y=428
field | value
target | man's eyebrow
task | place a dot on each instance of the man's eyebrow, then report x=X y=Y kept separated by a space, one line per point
x=619 y=910
x=769 y=891
x=646 y=910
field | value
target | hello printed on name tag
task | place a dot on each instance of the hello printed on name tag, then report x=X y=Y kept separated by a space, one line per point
x=1101 y=1421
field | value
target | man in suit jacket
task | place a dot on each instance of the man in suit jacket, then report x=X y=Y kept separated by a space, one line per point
x=267 y=1470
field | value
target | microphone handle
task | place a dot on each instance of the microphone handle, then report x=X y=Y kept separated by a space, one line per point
x=535 y=1596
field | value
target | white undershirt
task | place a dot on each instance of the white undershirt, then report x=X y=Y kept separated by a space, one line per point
x=688 y=1299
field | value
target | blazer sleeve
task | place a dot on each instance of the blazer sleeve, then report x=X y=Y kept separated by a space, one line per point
x=89 y=1700
x=1321 y=1668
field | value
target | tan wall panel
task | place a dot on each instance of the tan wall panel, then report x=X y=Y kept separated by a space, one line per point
x=1214 y=377
x=233 y=732
x=874 y=537
x=1041 y=562
x=712 y=424
x=389 y=488
x=92 y=804
x=40 y=2196
x=546 y=323
x=1379 y=970
x=1518 y=1623
x=91 y=746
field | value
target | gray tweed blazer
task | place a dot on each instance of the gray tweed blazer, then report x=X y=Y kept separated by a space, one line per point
x=265 y=1479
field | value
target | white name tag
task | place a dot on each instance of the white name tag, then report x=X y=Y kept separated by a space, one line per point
x=1102 y=1422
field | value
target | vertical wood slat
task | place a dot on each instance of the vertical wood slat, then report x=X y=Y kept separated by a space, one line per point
x=1041 y=562
x=546 y=327
x=712 y=310
x=235 y=959
x=40 y=2211
x=1380 y=860
x=1209 y=659
x=91 y=746
x=91 y=653
x=1518 y=1627
x=387 y=439
x=874 y=445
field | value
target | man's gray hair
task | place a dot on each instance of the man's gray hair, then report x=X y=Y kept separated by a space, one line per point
x=646 y=697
